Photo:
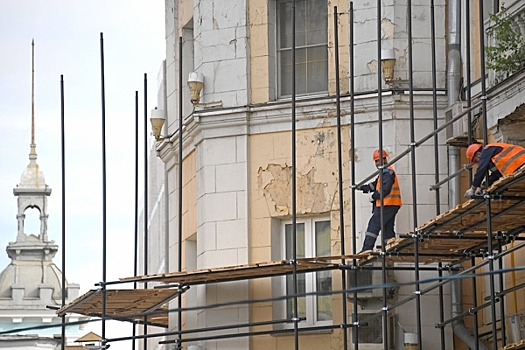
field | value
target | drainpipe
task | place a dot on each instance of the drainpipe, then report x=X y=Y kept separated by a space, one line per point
x=458 y=326
x=454 y=164
x=453 y=80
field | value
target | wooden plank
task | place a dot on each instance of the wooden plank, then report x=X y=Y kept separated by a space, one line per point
x=515 y=346
x=124 y=304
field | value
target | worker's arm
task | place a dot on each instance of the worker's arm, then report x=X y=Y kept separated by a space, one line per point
x=370 y=187
x=388 y=182
x=485 y=164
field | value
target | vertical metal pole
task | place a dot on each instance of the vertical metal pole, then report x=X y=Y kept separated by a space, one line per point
x=340 y=167
x=434 y=105
x=103 y=316
x=146 y=199
x=436 y=157
x=355 y=329
x=414 y=182
x=475 y=302
x=441 y=307
x=136 y=235
x=180 y=184
x=502 y=297
x=294 y=193
x=469 y=83
x=381 y=165
x=487 y=199
x=63 y=150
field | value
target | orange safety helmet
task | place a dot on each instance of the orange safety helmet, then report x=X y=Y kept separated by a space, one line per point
x=472 y=150
x=376 y=154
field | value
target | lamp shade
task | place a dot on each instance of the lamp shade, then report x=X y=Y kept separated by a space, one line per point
x=388 y=61
x=157 y=121
x=195 y=84
x=388 y=54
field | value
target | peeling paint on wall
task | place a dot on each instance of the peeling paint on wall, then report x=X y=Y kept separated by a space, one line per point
x=317 y=176
x=387 y=27
x=372 y=66
x=276 y=183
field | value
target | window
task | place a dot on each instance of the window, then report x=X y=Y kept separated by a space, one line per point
x=311 y=48
x=313 y=239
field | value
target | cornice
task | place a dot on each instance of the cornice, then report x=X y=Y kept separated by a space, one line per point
x=276 y=116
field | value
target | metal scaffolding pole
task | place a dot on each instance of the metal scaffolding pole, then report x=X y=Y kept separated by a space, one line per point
x=340 y=172
x=355 y=330
x=487 y=199
x=104 y=233
x=417 y=291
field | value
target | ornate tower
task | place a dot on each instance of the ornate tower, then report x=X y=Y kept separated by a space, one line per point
x=32 y=282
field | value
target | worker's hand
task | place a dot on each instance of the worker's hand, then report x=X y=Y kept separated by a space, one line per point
x=470 y=193
x=371 y=199
x=366 y=188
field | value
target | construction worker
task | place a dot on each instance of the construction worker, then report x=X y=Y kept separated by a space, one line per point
x=499 y=158
x=391 y=203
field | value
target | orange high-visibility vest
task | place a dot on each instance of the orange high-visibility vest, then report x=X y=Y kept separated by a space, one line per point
x=394 y=197
x=509 y=159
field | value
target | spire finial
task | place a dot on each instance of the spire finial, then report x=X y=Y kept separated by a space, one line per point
x=32 y=154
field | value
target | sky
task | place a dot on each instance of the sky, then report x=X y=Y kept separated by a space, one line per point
x=67 y=43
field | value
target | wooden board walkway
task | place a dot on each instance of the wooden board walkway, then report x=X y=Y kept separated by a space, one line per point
x=125 y=305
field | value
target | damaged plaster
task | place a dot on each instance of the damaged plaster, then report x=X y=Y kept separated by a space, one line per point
x=388 y=28
x=317 y=176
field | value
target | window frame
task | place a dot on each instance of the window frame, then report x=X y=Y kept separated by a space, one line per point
x=278 y=50
x=311 y=277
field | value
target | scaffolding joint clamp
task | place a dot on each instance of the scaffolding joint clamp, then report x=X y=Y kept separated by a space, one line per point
x=384 y=308
x=417 y=292
x=296 y=319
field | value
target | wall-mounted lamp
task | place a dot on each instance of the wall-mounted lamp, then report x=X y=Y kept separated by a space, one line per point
x=388 y=60
x=157 y=120
x=195 y=84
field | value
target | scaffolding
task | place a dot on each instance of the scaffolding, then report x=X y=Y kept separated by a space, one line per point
x=478 y=233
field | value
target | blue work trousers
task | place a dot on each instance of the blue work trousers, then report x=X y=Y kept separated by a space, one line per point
x=374 y=225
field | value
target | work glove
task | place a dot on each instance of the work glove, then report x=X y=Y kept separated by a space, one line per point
x=470 y=193
x=371 y=198
x=367 y=188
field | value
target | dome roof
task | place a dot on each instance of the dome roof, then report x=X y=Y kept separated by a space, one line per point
x=31 y=277
x=32 y=177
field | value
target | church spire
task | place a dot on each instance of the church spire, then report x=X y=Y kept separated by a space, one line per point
x=32 y=191
x=32 y=153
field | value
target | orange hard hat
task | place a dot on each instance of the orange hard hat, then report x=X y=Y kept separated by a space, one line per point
x=472 y=150
x=376 y=154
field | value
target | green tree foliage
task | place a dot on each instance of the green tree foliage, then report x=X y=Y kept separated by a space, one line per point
x=508 y=55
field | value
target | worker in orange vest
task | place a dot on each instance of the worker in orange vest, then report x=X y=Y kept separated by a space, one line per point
x=391 y=203
x=499 y=158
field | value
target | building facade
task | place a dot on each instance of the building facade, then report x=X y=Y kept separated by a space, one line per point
x=262 y=155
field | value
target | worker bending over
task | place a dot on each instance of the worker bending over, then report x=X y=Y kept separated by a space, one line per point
x=391 y=203
x=499 y=159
